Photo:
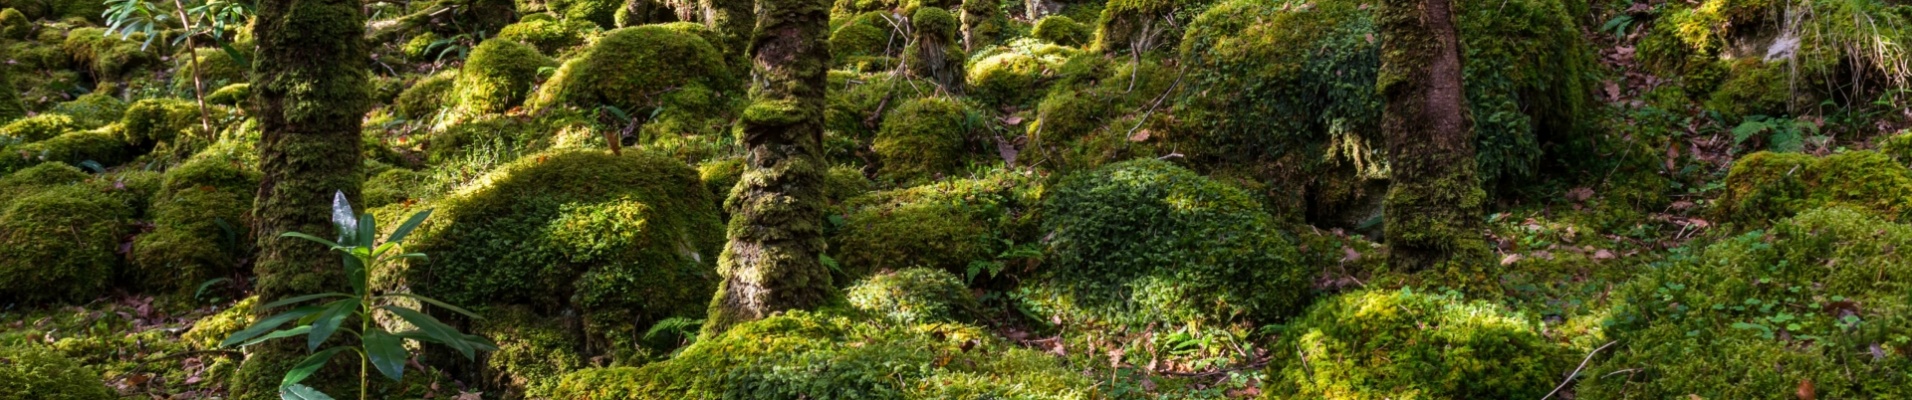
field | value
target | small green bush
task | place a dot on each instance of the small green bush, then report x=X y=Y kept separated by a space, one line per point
x=914 y=295
x=1406 y=345
x=62 y=244
x=497 y=76
x=923 y=139
x=35 y=372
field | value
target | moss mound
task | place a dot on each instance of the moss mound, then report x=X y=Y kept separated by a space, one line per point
x=950 y=225
x=61 y=243
x=600 y=12
x=93 y=109
x=1400 y=344
x=497 y=76
x=1145 y=241
x=35 y=178
x=935 y=50
x=806 y=355
x=427 y=96
x=914 y=295
x=1820 y=298
x=864 y=36
x=150 y=121
x=619 y=241
x=1765 y=187
x=548 y=35
x=533 y=353
x=1017 y=75
x=636 y=70
x=200 y=219
x=35 y=372
x=923 y=139
x=1061 y=30
x=14 y=25
x=102 y=146
x=110 y=57
x=216 y=68
x=233 y=95
x=36 y=128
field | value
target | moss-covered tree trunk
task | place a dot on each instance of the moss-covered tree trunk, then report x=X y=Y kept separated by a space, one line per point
x=770 y=263
x=309 y=93
x=1433 y=206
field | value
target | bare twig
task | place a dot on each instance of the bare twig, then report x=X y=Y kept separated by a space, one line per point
x=1576 y=370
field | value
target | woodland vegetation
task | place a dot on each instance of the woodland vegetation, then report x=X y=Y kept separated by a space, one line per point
x=955 y=199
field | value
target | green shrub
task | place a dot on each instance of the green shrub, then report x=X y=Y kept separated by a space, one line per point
x=497 y=76
x=1764 y=187
x=914 y=295
x=61 y=243
x=35 y=372
x=1145 y=241
x=1400 y=344
x=619 y=241
x=1061 y=30
x=923 y=139
x=1820 y=298
x=636 y=70
x=949 y=225
x=37 y=128
x=807 y=355
x=427 y=96
x=548 y=35
x=200 y=219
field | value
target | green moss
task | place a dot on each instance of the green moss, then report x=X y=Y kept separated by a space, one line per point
x=948 y=225
x=102 y=146
x=550 y=36
x=36 y=178
x=109 y=56
x=419 y=47
x=200 y=219
x=1400 y=344
x=863 y=36
x=216 y=68
x=14 y=25
x=425 y=97
x=1821 y=294
x=1764 y=187
x=983 y=23
x=600 y=12
x=923 y=139
x=1017 y=76
x=855 y=109
x=935 y=51
x=1897 y=145
x=35 y=372
x=1127 y=24
x=822 y=356
x=93 y=109
x=37 y=128
x=234 y=95
x=208 y=331
x=533 y=353
x=151 y=121
x=914 y=295
x=618 y=241
x=62 y=244
x=1091 y=110
x=1062 y=30
x=393 y=186
x=1753 y=87
x=721 y=175
x=634 y=69
x=491 y=139
x=1145 y=241
x=497 y=76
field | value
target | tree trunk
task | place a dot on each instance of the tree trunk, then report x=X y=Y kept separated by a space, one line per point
x=310 y=91
x=770 y=263
x=1433 y=206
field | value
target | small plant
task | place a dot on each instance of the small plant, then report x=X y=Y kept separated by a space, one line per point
x=358 y=239
x=1780 y=134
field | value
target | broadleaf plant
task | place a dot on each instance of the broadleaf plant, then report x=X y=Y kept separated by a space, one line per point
x=317 y=323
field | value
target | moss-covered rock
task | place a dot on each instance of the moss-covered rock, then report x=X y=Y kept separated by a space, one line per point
x=864 y=36
x=1061 y=30
x=949 y=225
x=803 y=354
x=914 y=295
x=62 y=243
x=1145 y=241
x=1093 y=108
x=39 y=177
x=200 y=220
x=216 y=68
x=35 y=372
x=550 y=36
x=616 y=241
x=600 y=12
x=393 y=186
x=983 y=23
x=636 y=70
x=93 y=109
x=111 y=57
x=14 y=25
x=1820 y=298
x=1753 y=87
x=233 y=95
x=1764 y=187
x=37 y=128
x=923 y=139
x=208 y=331
x=1016 y=76
x=151 y=121
x=426 y=96
x=1400 y=344
x=1139 y=25
x=498 y=76
x=102 y=146
x=533 y=353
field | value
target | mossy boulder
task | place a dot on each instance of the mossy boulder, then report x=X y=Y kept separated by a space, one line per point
x=102 y=146
x=234 y=95
x=618 y=242
x=864 y=36
x=62 y=243
x=216 y=68
x=983 y=23
x=35 y=178
x=914 y=295
x=36 y=372
x=949 y=225
x=426 y=96
x=1753 y=87
x=533 y=353
x=1089 y=116
x=600 y=12
x=1127 y=24
x=150 y=121
x=637 y=70
x=208 y=331
x=1401 y=344
x=550 y=36
x=801 y=354
x=1015 y=76
x=1145 y=241
x=92 y=110
x=200 y=219
x=111 y=57
x=1061 y=30
x=393 y=186
x=498 y=76
x=1821 y=298
x=1764 y=187
x=14 y=25
x=923 y=139
x=36 y=128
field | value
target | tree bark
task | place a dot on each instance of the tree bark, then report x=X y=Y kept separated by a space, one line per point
x=776 y=235
x=1434 y=202
x=310 y=91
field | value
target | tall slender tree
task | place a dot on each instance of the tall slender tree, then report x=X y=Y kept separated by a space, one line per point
x=776 y=234
x=309 y=86
x=1434 y=202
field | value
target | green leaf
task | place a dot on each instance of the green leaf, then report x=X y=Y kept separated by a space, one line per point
x=334 y=245
x=311 y=364
x=355 y=273
x=328 y=322
x=267 y=325
x=283 y=333
x=301 y=392
x=432 y=327
x=406 y=228
x=208 y=284
x=435 y=302
x=302 y=299
x=367 y=231
x=387 y=352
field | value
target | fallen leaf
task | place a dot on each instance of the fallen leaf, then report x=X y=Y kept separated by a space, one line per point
x=1139 y=136
x=1603 y=254
x=1805 y=390
x=1510 y=259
